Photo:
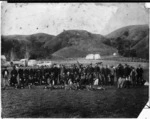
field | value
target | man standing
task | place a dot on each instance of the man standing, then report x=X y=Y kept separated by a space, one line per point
x=103 y=74
x=133 y=75
x=112 y=75
x=5 y=74
x=97 y=69
x=140 y=80
x=14 y=74
x=21 y=78
x=107 y=77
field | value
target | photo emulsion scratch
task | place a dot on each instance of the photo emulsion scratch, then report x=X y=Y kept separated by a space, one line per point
x=74 y=60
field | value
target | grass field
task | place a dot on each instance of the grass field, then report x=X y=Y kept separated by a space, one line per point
x=109 y=103
x=39 y=102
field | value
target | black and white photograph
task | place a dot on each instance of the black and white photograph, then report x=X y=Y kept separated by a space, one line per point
x=74 y=60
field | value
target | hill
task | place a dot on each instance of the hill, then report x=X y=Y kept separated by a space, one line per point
x=130 y=32
x=21 y=45
x=78 y=43
x=129 y=41
x=134 y=38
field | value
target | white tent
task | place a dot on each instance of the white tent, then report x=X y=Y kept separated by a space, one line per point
x=97 y=56
x=114 y=54
x=93 y=56
x=146 y=84
x=3 y=60
x=3 y=57
x=90 y=56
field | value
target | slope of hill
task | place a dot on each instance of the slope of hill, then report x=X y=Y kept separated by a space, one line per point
x=135 y=37
x=78 y=43
x=134 y=32
x=22 y=44
x=142 y=48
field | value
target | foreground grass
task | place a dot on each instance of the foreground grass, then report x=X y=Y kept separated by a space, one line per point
x=38 y=102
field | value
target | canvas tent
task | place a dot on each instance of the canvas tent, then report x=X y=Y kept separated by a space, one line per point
x=90 y=56
x=3 y=59
x=97 y=56
x=114 y=54
x=146 y=83
x=93 y=56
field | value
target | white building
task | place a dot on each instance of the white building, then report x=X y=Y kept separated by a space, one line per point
x=97 y=56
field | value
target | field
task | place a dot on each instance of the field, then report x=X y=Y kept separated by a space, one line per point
x=39 y=102
x=109 y=103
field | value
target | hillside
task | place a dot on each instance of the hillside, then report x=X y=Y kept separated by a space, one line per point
x=25 y=44
x=78 y=43
x=135 y=37
x=129 y=41
x=134 y=32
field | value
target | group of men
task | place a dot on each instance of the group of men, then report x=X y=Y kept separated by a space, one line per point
x=74 y=74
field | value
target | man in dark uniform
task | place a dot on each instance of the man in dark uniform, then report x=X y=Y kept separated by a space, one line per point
x=103 y=74
x=112 y=74
x=126 y=76
x=133 y=75
x=31 y=78
x=21 y=77
x=90 y=69
x=62 y=78
x=76 y=77
x=120 y=71
x=53 y=72
x=13 y=81
x=107 y=76
x=46 y=75
x=34 y=76
x=43 y=80
x=97 y=69
x=53 y=77
x=140 y=80
x=83 y=79
x=67 y=77
x=126 y=71
x=26 y=81
x=39 y=77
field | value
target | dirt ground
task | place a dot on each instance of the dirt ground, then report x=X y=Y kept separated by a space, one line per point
x=39 y=102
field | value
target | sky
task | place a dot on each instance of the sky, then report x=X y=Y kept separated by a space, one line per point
x=53 y=18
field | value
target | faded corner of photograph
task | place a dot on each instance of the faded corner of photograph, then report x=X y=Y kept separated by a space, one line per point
x=74 y=60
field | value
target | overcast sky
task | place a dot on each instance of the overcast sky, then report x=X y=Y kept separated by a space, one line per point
x=53 y=18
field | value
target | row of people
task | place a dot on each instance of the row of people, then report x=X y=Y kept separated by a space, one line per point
x=83 y=75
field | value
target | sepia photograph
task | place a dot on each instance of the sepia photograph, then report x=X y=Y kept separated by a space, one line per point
x=74 y=60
